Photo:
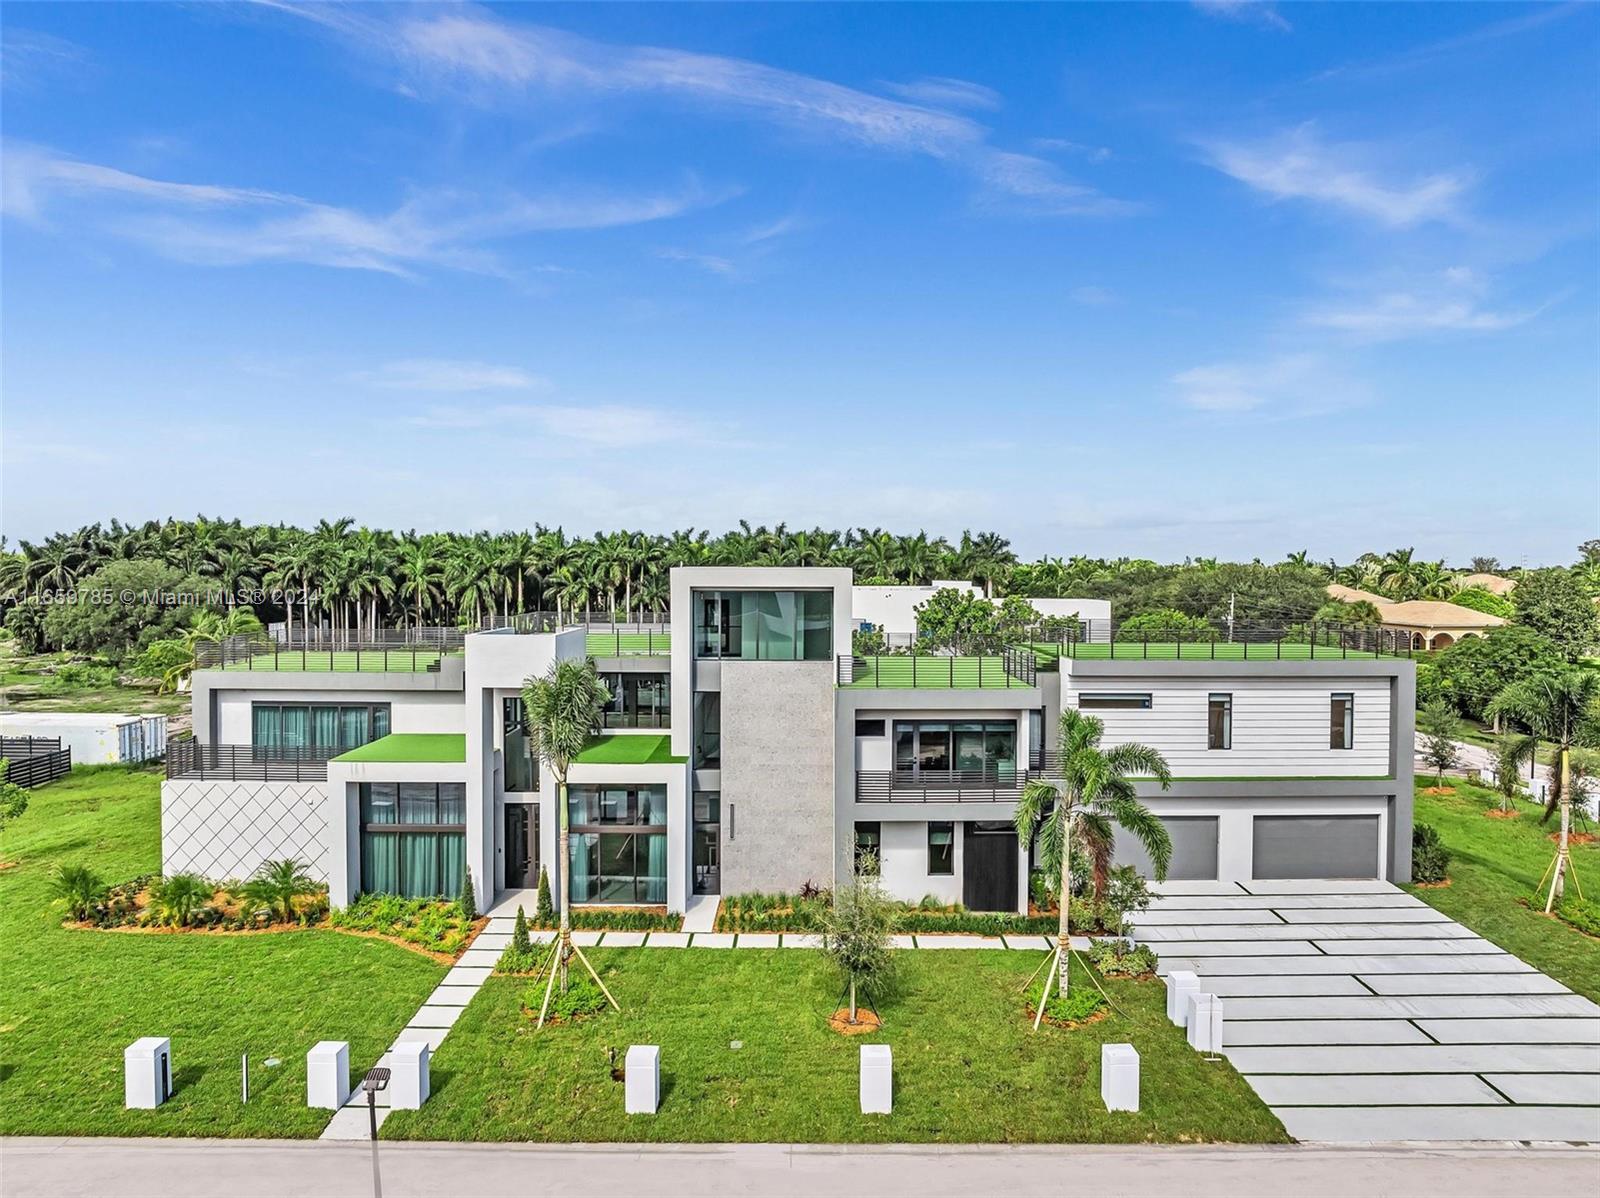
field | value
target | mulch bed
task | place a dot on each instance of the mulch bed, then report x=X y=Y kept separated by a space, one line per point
x=867 y=1021
x=1095 y=1017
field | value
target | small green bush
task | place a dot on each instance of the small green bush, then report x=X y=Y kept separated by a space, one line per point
x=468 y=899
x=1122 y=958
x=1430 y=860
x=616 y=920
x=545 y=913
x=1583 y=914
x=1076 y=1004
x=582 y=998
x=433 y=924
x=175 y=901
x=79 y=888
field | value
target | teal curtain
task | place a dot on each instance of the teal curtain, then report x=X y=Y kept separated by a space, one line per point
x=419 y=864
x=380 y=863
x=325 y=727
x=452 y=861
x=578 y=875
x=655 y=883
x=295 y=728
x=352 y=727
x=264 y=732
x=419 y=803
x=380 y=722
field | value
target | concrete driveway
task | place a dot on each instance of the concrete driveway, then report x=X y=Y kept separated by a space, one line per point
x=1361 y=1014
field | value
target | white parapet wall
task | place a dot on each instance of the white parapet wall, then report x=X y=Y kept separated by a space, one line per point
x=227 y=829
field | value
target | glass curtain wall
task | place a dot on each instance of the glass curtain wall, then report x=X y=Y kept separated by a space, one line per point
x=764 y=625
x=333 y=728
x=707 y=730
x=618 y=844
x=638 y=700
x=987 y=747
x=413 y=838
x=521 y=767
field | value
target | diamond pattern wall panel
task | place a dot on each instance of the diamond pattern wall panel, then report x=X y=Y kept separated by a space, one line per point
x=226 y=829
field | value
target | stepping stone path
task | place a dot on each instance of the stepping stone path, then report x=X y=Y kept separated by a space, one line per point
x=1359 y=1013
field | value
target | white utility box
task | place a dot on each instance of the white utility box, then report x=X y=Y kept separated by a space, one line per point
x=408 y=1075
x=328 y=1075
x=1119 y=1077
x=1180 y=984
x=147 y=1073
x=642 y=1079
x=1205 y=1023
x=877 y=1079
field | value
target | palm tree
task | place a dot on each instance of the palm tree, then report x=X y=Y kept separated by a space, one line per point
x=561 y=711
x=1564 y=709
x=1095 y=790
x=277 y=884
x=1397 y=573
x=420 y=578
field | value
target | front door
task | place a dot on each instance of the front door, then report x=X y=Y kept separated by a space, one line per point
x=989 y=867
x=707 y=842
x=522 y=846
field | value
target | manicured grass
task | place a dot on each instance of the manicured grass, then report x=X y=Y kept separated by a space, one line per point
x=411 y=746
x=933 y=673
x=966 y=1067
x=72 y=1000
x=629 y=644
x=628 y=749
x=1495 y=865
x=341 y=661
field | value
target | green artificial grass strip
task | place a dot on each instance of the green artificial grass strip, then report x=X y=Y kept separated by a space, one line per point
x=1207 y=651
x=747 y=1056
x=1494 y=866
x=341 y=661
x=629 y=749
x=74 y=999
x=629 y=644
x=935 y=673
x=411 y=746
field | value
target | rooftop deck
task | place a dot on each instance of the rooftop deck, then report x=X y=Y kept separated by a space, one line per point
x=340 y=661
x=616 y=643
x=628 y=750
x=445 y=747
x=1005 y=671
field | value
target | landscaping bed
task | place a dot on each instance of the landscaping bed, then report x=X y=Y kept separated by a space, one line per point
x=73 y=1000
x=1495 y=865
x=968 y=1069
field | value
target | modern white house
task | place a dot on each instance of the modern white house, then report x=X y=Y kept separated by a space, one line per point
x=747 y=748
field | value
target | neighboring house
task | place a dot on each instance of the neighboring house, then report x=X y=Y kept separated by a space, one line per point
x=1495 y=584
x=748 y=749
x=893 y=609
x=1431 y=623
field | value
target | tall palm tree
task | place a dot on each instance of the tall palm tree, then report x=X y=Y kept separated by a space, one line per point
x=1397 y=573
x=1564 y=709
x=561 y=711
x=421 y=581
x=1094 y=791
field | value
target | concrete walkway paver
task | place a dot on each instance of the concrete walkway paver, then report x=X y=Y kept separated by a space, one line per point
x=1360 y=1014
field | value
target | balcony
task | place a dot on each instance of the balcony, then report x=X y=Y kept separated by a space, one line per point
x=1005 y=670
x=408 y=651
x=623 y=642
x=1001 y=782
x=636 y=719
x=188 y=759
x=1101 y=640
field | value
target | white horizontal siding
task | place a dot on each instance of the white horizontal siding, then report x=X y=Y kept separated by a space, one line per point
x=1280 y=727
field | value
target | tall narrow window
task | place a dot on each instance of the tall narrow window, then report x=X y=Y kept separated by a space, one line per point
x=869 y=848
x=1219 y=722
x=707 y=730
x=1342 y=721
x=941 y=848
x=521 y=769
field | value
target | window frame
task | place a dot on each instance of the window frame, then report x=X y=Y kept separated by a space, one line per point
x=873 y=829
x=1341 y=729
x=1223 y=701
x=950 y=849
x=1115 y=700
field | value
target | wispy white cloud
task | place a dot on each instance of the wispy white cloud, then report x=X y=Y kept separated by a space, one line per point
x=29 y=59
x=1253 y=12
x=713 y=263
x=447 y=375
x=1299 y=164
x=1450 y=302
x=1288 y=386
x=937 y=91
x=224 y=225
x=1062 y=145
x=471 y=50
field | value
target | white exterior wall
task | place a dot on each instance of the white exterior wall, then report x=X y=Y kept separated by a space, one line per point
x=1280 y=726
x=223 y=829
x=409 y=711
x=904 y=868
x=341 y=814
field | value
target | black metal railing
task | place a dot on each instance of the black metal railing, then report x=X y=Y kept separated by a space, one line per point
x=40 y=767
x=595 y=621
x=1008 y=668
x=422 y=636
x=16 y=747
x=628 y=643
x=254 y=653
x=189 y=758
x=636 y=719
x=1241 y=641
x=1001 y=782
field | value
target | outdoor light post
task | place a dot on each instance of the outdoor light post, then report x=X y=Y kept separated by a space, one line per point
x=375 y=1080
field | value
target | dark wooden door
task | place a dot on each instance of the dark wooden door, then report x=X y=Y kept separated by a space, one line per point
x=989 y=867
x=522 y=846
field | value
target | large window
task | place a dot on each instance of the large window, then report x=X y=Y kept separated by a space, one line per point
x=328 y=727
x=707 y=842
x=638 y=700
x=618 y=844
x=413 y=838
x=1341 y=721
x=1219 y=722
x=764 y=625
x=707 y=730
x=1118 y=702
x=971 y=746
x=521 y=767
x=869 y=847
x=941 y=848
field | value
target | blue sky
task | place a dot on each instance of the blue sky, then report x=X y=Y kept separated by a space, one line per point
x=1217 y=279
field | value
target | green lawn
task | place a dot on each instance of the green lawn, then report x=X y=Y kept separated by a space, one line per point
x=411 y=746
x=932 y=673
x=628 y=749
x=967 y=1068
x=629 y=644
x=1495 y=865
x=341 y=661
x=73 y=1000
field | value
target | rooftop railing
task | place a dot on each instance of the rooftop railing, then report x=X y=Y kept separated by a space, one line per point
x=190 y=759
x=1001 y=670
x=349 y=656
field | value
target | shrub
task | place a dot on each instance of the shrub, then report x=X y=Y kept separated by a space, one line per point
x=519 y=934
x=176 y=900
x=80 y=888
x=1122 y=958
x=1074 y=1005
x=855 y=937
x=581 y=997
x=277 y=884
x=544 y=913
x=81 y=676
x=1164 y=624
x=432 y=924
x=1430 y=860
x=1583 y=914
x=468 y=898
x=25 y=623
x=621 y=919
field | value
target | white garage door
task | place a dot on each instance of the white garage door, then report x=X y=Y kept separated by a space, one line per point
x=1194 y=849
x=1316 y=846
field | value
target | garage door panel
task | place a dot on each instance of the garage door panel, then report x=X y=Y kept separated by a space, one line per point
x=1315 y=846
x=1194 y=849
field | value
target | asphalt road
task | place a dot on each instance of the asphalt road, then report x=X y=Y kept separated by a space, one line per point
x=62 y=1168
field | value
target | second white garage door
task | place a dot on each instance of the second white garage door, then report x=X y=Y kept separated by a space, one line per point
x=1316 y=846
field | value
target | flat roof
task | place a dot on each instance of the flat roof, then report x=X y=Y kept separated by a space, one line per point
x=446 y=747
x=629 y=749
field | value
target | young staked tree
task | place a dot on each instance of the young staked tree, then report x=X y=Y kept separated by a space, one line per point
x=1511 y=754
x=1078 y=810
x=561 y=711
x=855 y=933
x=1440 y=726
x=1564 y=709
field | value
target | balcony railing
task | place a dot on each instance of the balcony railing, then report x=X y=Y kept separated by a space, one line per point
x=350 y=656
x=1096 y=640
x=188 y=758
x=1008 y=668
x=646 y=642
x=998 y=783
x=636 y=719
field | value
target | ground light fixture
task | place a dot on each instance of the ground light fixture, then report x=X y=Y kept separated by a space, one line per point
x=375 y=1080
